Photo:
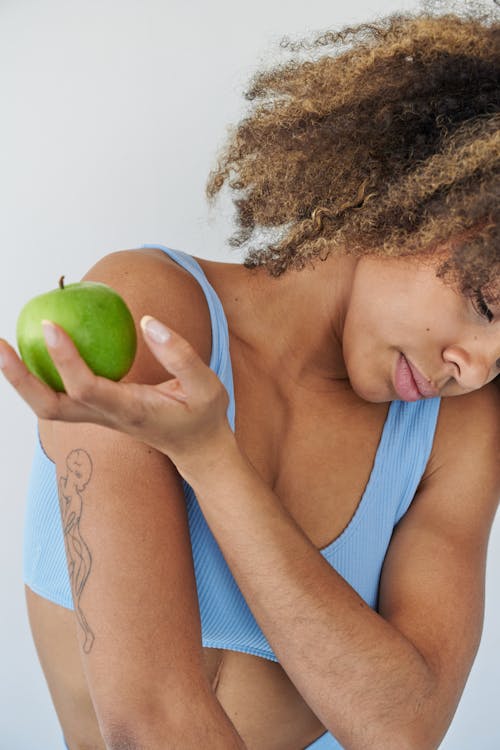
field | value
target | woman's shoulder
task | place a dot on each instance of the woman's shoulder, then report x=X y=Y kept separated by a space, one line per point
x=467 y=435
x=152 y=283
x=474 y=413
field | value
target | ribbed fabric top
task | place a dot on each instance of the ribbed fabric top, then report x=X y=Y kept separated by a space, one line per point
x=227 y=622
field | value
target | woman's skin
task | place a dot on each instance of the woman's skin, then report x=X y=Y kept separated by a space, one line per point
x=316 y=356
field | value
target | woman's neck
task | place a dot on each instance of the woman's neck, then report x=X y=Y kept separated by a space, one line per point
x=293 y=324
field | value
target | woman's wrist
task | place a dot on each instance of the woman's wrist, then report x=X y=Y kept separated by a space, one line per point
x=201 y=468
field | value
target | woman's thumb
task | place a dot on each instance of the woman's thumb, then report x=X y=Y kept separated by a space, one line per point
x=154 y=330
x=176 y=355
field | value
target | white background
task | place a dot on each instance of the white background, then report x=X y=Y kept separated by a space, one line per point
x=111 y=116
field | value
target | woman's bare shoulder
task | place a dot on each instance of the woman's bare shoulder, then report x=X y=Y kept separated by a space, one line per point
x=468 y=434
x=152 y=283
x=473 y=412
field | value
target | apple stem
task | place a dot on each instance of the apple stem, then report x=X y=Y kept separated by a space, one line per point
x=61 y=282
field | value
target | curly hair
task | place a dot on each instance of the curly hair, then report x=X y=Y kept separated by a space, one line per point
x=388 y=144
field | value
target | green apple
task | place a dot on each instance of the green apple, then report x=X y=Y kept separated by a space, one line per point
x=98 y=321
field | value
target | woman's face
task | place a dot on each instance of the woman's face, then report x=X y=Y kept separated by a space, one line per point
x=408 y=335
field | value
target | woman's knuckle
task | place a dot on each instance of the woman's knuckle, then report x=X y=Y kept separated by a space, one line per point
x=49 y=409
x=135 y=419
x=220 y=394
x=224 y=398
x=47 y=412
x=22 y=381
x=80 y=392
x=134 y=416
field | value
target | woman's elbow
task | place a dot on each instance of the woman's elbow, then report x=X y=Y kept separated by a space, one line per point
x=120 y=738
x=192 y=722
x=140 y=725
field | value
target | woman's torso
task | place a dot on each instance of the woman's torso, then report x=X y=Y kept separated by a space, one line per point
x=315 y=446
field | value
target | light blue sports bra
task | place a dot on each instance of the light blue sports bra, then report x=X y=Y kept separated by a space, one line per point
x=227 y=622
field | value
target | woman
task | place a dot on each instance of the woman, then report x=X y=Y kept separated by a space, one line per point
x=275 y=527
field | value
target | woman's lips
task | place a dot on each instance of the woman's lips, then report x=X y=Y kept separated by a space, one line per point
x=410 y=384
x=404 y=382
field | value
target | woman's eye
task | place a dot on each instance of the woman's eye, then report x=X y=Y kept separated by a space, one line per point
x=482 y=308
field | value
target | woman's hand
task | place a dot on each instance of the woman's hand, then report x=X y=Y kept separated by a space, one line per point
x=184 y=417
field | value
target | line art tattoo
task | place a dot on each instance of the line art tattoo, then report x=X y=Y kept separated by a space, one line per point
x=79 y=471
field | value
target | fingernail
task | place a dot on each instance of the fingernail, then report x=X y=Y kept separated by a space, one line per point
x=156 y=331
x=50 y=332
x=2 y=361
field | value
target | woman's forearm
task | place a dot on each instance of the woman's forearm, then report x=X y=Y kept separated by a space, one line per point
x=359 y=674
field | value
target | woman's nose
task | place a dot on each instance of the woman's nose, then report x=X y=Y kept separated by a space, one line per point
x=471 y=370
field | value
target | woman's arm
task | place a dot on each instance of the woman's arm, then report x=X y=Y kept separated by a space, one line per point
x=388 y=681
x=129 y=553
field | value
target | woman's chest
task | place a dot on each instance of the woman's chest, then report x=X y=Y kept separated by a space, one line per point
x=315 y=448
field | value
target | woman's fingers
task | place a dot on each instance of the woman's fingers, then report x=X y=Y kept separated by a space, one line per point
x=79 y=380
x=109 y=403
x=169 y=416
x=88 y=398
x=46 y=403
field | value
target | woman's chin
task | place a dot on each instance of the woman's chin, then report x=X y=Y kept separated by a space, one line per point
x=375 y=393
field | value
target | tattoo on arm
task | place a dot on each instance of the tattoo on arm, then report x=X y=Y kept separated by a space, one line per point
x=71 y=488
